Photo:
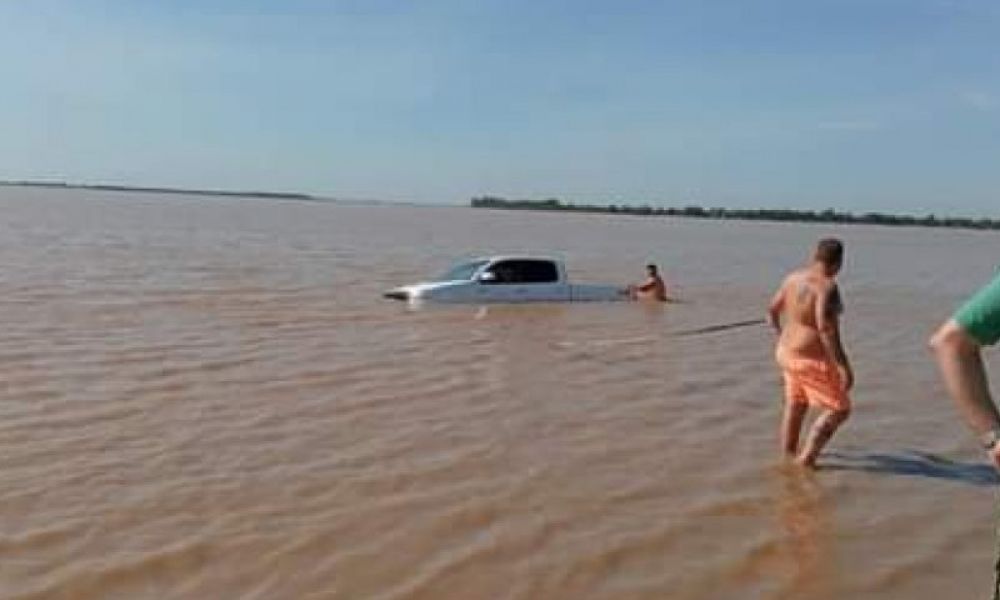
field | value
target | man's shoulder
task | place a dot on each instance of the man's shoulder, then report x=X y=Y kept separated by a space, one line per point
x=829 y=292
x=827 y=285
x=794 y=276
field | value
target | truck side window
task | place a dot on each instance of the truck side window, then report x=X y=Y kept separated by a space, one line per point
x=525 y=271
x=505 y=272
x=538 y=271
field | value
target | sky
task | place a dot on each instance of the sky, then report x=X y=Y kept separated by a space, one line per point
x=881 y=105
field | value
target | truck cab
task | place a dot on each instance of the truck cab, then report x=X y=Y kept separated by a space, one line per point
x=524 y=280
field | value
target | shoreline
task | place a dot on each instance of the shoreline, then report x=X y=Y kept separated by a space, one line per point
x=728 y=214
x=104 y=187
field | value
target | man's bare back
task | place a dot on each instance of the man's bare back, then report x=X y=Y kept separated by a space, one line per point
x=801 y=294
x=652 y=288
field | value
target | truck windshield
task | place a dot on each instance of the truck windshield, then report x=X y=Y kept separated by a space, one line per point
x=463 y=272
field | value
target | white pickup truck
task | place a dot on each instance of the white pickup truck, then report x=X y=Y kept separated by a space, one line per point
x=507 y=279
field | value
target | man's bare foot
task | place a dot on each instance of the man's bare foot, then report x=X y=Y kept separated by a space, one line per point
x=806 y=462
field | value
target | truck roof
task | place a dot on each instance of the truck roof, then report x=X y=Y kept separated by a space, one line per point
x=497 y=257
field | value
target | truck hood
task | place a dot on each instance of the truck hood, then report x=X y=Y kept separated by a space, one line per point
x=418 y=291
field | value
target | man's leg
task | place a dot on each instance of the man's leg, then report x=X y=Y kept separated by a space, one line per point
x=791 y=426
x=820 y=433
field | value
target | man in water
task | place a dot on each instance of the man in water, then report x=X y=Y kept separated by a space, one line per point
x=652 y=288
x=815 y=367
x=958 y=346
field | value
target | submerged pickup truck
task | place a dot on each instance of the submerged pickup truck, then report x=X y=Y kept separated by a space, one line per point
x=507 y=279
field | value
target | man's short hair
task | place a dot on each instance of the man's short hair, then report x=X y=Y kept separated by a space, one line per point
x=651 y=267
x=829 y=251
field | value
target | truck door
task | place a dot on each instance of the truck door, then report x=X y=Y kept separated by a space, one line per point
x=527 y=280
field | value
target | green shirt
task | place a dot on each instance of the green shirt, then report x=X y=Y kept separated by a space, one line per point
x=980 y=315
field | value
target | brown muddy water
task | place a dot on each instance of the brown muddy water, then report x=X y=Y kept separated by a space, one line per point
x=207 y=398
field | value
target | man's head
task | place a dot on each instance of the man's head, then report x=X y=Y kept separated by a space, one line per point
x=651 y=270
x=830 y=253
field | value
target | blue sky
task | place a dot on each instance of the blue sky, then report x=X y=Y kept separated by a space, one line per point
x=853 y=104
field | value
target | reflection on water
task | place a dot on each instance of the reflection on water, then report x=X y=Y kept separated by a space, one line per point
x=808 y=538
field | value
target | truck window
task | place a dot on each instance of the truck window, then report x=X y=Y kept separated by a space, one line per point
x=463 y=272
x=539 y=271
x=525 y=271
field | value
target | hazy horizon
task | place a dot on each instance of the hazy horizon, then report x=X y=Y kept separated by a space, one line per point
x=115 y=187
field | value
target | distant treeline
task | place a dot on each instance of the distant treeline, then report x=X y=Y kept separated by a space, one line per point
x=156 y=190
x=764 y=214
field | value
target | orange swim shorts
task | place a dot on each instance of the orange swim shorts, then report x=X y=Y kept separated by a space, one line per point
x=814 y=381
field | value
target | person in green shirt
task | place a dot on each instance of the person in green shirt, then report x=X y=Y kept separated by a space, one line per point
x=958 y=346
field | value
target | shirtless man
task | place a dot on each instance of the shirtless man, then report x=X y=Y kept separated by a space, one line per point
x=813 y=362
x=653 y=288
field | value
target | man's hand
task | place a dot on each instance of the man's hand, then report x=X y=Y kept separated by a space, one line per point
x=846 y=378
x=994 y=455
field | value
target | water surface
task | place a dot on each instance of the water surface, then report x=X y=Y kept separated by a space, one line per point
x=206 y=398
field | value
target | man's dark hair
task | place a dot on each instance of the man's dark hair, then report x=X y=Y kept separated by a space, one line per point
x=651 y=267
x=830 y=251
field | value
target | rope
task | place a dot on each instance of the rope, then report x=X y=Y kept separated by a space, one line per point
x=646 y=339
x=723 y=327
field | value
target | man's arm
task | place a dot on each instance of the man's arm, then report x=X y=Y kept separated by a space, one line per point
x=958 y=345
x=961 y=363
x=828 y=323
x=777 y=306
x=647 y=285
